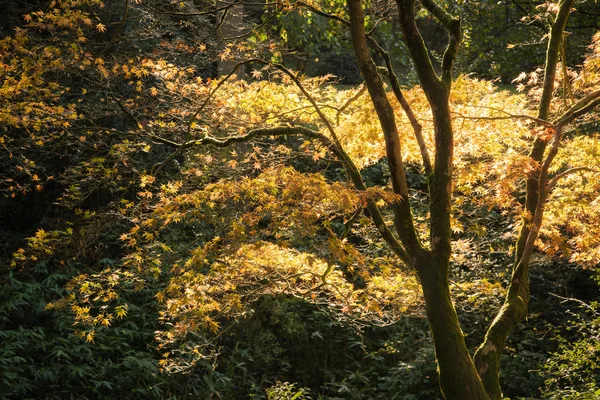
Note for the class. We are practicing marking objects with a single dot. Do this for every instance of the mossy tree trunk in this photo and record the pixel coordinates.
(514, 309)
(461, 376)
(457, 373)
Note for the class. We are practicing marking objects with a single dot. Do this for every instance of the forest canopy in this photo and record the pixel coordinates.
(287, 200)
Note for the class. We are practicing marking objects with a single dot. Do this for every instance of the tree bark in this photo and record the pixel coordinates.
(457, 373)
(515, 307)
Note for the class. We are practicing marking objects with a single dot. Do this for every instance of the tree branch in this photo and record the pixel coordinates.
(580, 108)
(190, 14)
(321, 12)
(351, 100)
(417, 127)
(385, 113)
(416, 46)
(515, 307)
(452, 26)
(508, 116)
(372, 207)
(570, 171)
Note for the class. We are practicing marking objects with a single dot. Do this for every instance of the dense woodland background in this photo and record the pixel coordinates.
(88, 306)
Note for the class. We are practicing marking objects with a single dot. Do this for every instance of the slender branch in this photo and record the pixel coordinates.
(580, 302)
(417, 127)
(570, 171)
(190, 14)
(221, 22)
(350, 222)
(211, 94)
(322, 13)
(119, 28)
(250, 31)
(158, 166)
(508, 116)
(403, 220)
(567, 90)
(351, 100)
(583, 106)
(310, 98)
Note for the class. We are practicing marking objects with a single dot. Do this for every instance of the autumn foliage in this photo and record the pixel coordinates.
(235, 187)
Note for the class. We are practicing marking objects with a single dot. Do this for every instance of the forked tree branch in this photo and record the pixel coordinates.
(417, 128)
(334, 145)
(515, 306)
(402, 212)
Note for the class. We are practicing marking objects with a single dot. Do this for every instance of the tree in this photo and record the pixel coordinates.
(462, 377)
(262, 223)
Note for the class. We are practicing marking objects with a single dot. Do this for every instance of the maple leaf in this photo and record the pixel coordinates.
(256, 74)
(101, 28)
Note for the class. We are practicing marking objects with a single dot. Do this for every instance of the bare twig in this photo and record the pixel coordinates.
(348, 102)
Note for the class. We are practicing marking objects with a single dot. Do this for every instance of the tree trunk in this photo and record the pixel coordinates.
(514, 309)
(457, 374)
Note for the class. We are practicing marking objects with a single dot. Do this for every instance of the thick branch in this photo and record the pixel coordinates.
(452, 26)
(539, 145)
(437, 92)
(552, 55)
(394, 83)
(416, 46)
